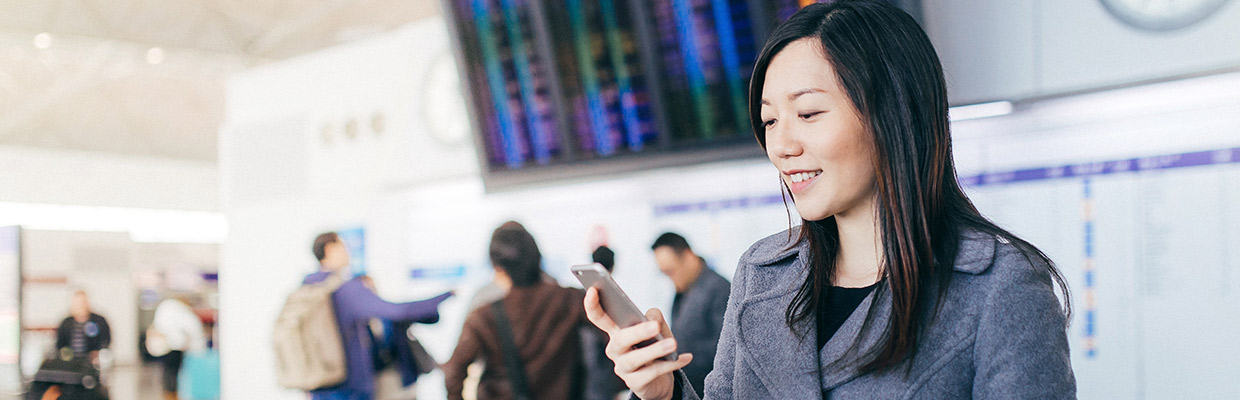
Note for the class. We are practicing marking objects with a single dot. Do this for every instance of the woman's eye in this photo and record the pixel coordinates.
(768, 123)
(809, 115)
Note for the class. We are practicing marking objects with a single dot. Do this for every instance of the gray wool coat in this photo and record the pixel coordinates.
(999, 333)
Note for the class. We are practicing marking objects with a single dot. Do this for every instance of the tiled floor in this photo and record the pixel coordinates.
(135, 383)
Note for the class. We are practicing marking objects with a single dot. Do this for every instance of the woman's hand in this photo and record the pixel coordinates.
(642, 369)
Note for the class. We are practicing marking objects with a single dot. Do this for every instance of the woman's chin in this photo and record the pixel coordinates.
(812, 213)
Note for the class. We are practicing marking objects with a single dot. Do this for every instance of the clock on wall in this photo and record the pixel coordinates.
(1162, 15)
(443, 104)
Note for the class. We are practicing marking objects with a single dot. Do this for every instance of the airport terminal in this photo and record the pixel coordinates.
(612, 199)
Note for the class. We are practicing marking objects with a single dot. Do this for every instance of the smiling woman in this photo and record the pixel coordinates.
(814, 135)
(908, 291)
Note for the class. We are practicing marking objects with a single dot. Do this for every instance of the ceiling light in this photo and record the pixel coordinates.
(982, 110)
(43, 40)
(155, 55)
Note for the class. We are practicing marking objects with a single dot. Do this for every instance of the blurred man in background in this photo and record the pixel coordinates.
(697, 310)
(83, 332)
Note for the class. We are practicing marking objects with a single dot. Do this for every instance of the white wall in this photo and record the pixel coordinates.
(1013, 50)
(31, 175)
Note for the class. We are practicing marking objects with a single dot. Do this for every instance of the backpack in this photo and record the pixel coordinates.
(308, 349)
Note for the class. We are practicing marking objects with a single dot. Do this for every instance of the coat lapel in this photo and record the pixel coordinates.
(839, 358)
(788, 365)
(858, 335)
(785, 363)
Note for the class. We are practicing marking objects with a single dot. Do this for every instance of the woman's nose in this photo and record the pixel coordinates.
(780, 142)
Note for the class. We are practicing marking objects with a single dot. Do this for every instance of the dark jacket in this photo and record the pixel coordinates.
(697, 322)
(545, 319)
(355, 305)
(601, 381)
(96, 331)
(402, 353)
(1000, 333)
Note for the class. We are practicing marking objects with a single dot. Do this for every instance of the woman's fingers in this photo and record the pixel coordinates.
(623, 340)
(640, 357)
(655, 370)
(594, 312)
(642, 369)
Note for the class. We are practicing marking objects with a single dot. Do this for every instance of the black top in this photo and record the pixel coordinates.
(835, 306)
(676, 303)
(84, 338)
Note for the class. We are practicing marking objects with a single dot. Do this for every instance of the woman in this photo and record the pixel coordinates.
(894, 286)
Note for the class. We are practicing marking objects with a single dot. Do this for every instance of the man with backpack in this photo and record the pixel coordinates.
(353, 306)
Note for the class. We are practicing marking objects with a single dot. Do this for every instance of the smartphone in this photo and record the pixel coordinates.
(615, 302)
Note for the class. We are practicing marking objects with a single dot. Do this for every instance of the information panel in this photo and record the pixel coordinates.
(10, 307)
(1150, 248)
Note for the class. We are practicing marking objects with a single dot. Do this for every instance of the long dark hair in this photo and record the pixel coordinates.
(892, 75)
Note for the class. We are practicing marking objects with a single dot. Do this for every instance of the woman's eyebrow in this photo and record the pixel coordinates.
(796, 94)
(802, 92)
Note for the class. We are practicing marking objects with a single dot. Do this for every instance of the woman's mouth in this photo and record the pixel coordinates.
(801, 180)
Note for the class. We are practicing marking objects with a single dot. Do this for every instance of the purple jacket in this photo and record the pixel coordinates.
(355, 305)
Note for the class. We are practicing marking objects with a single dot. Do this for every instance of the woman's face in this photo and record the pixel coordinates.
(814, 134)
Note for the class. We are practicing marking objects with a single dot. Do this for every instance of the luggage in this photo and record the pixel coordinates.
(200, 376)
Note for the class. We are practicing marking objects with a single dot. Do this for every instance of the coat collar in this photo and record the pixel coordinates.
(788, 364)
(976, 251)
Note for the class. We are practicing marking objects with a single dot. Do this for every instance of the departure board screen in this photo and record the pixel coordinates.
(559, 84)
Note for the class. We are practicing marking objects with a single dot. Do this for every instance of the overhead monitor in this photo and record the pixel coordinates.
(573, 88)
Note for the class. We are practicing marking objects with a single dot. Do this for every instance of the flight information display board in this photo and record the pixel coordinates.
(560, 84)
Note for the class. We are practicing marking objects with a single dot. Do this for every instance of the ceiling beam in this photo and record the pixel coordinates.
(64, 86)
(288, 29)
(19, 37)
